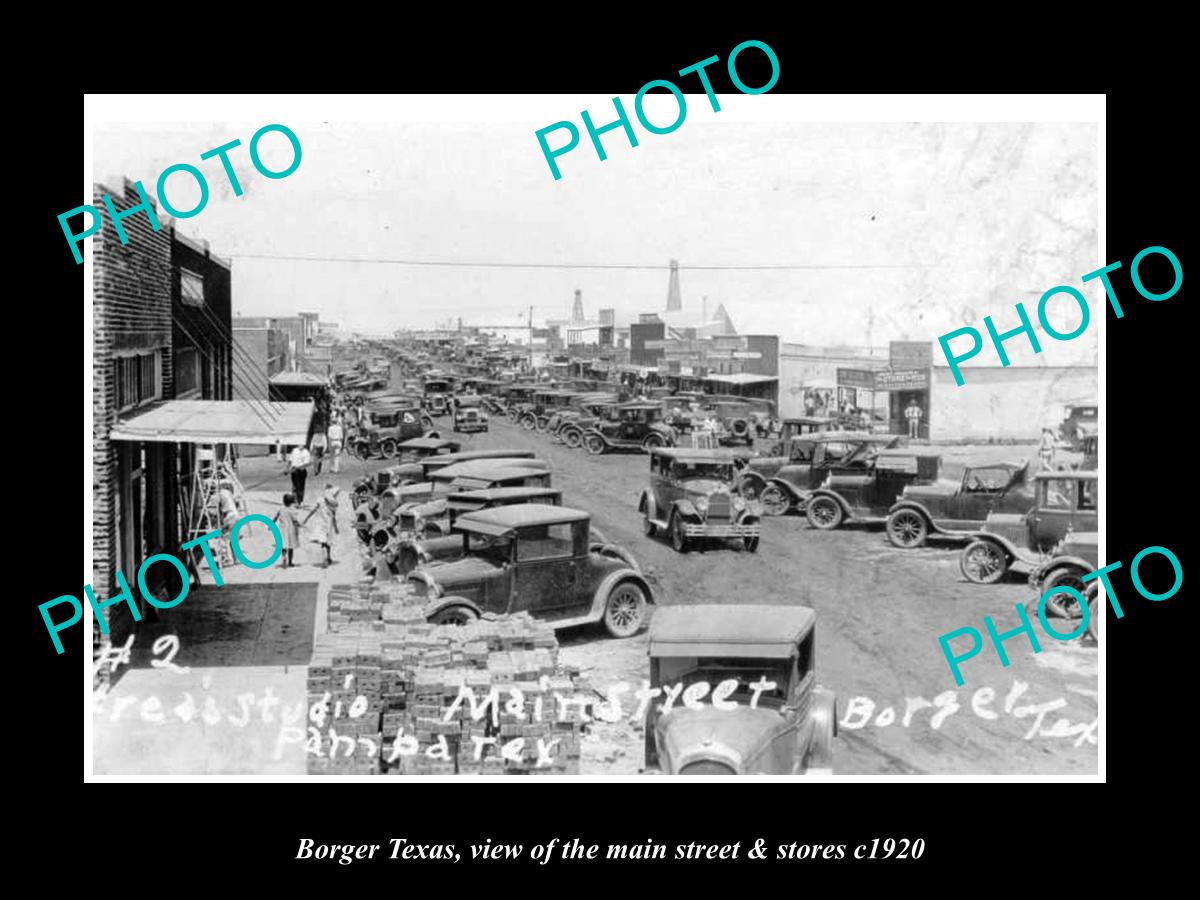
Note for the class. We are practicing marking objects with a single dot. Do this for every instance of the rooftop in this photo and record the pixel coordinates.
(727, 625)
(505, 518)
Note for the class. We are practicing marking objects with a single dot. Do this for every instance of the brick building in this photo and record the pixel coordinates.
(160, 331)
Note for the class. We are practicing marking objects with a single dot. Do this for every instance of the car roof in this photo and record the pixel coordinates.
(505, 493)
(465, 455)
(422, 443)
(701, 455)
(923, 452)
(807, 420)
(728, 629)
(639, 405)
(1067, 473)
(824, 437)
(475, 468)
(502, 519)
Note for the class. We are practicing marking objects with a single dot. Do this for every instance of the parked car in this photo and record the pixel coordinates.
(1064, 501)
(784, 483)
(867, 495)
(469, 415)
(381, 431)
(428, 535)
(435, 397)
(1079, 421)
(516, 399)
(537, 559)
(788, 730)
(1073, 557)
(636, 426)
(691, 496)
(955, 509)
(466, 476)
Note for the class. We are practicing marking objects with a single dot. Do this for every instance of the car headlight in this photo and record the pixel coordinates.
(702, 505)
(739, 502)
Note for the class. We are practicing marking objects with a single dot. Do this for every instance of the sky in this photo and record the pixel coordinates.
(898, 231)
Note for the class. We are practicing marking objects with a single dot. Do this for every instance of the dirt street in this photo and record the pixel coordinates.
(880, 611)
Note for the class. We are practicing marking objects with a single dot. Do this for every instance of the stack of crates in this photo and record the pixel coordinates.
(345, 677)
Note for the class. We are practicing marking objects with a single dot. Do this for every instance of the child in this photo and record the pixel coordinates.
(289, 527)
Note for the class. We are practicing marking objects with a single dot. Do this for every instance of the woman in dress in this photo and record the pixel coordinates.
(326, 525)
(289, 528)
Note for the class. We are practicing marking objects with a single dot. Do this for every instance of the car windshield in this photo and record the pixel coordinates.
(993, 479)
(716, 471)
(714, 670)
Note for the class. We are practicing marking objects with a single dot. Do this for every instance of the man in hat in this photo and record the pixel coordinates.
(913, 413)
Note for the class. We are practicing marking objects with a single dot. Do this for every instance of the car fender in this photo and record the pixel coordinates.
(748, 518)
(437, 605)
(827, 492)
(787, 487)
(686, 509)
(1013, 551)
(597, 432)
(611, 581)
(916, 507)
(647, 505)
(1058, 562)
(750, 475)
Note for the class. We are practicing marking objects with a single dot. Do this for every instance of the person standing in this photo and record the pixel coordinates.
(913, 413)
(1046, 448)
(337, 438)
(326, 525)
(317, 448)
(298, 462)
(289, 529)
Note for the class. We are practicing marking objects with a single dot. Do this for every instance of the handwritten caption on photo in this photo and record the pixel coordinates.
(73, 239)
(573, 849)
(1026, 327)
(1026, 627)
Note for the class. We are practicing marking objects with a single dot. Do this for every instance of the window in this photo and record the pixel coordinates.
(987, 479)
(1087, 494)
(545, 542)
(1060, 494)
(191, 288)
(187, 372)
(137, 380)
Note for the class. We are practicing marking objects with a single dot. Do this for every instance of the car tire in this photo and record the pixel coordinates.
(455, 614)
(571, 438)
(625, 610)
(907, 529)
(1062, 606)
(388, 448)
(983, 562)
(594, 444)
(651, 441)
(774, 501)
(529, 422)
(679, 538)
(1093, 628)
(648, 526)
(749, 487)
(824, 513)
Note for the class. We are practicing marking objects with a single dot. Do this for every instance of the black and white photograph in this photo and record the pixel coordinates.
(463, 437)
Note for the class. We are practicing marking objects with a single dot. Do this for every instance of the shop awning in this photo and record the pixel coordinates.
(741, 378)
(298, 379)
(217, 422)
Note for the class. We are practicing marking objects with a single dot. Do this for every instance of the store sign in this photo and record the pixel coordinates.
(902, 380)
(856, 378)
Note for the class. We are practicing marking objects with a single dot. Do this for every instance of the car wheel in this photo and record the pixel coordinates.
(679, 538)
(648, 526)
(906, 528)
(388, 449)
(594, 444)
(824, 513)
(456, 614)
(652, 440)
(748, 487)
(750, 544)
(1093, 628)
(541, 424)
(983, 562)
(625, 610)
(529, 423)
(775, 502)
(572, 438)
(1063, 606)
(512, 416)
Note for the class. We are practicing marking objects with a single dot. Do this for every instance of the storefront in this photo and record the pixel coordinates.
(885, 397)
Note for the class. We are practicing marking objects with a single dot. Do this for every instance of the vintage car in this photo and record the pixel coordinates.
(635, 426)
(467, 476)
(422, 466)
(787, 729)
(691, 497)
(573, 425)
(790, 428)
(866, 495)
(736, 422)
(1064, 501)
(382, 429)
(469, 415)
(427, 535)
(1073, 557)
(516, 398)
(955, 509)
(1079, 421)
(410, 453)
(435, 396)
(783, 483)
(537, 559)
